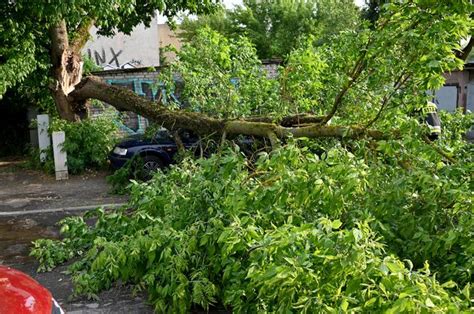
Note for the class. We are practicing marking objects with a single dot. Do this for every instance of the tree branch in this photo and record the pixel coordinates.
(178, 141)
(353, 75)
(81, 35)
(439, 150)
(463, 54)
(201, 124)
(288, 121)
(398, 84)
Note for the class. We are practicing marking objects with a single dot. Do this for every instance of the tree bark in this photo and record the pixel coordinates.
(67, 73)
(82, 35)
(59, 46)
(201, 124)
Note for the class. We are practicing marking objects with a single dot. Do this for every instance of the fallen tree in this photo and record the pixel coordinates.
(126, 100)
(71, 94)
(353, 228)
(385, 92)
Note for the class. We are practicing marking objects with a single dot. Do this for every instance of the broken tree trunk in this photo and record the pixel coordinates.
(201, 124)
(67, 73)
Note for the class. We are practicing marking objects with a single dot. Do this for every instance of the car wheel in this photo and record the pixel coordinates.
(150, 165)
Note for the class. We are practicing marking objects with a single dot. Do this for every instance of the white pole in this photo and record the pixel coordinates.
(43, 137)
(60, 157)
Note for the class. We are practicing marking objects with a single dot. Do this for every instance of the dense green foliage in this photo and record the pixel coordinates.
(349, 229)
(371, 77)
(275, 27)
(316, 225)
(87, 144)
(222, 77)
(89, 65)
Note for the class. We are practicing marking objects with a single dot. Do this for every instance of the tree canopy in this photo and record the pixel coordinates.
(276, 27)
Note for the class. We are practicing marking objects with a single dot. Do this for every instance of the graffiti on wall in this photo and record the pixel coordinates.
(132, 123)
(112, 57)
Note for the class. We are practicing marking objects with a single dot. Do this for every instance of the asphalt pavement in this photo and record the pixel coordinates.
(31, 203)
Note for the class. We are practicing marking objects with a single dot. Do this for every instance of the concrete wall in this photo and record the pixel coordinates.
(139, 49)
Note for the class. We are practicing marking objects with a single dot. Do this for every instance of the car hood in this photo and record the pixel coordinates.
(19, 293)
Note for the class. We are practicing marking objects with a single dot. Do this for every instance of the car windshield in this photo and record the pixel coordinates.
(163, 136)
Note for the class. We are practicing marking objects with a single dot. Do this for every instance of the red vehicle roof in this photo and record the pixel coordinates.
(21, 294)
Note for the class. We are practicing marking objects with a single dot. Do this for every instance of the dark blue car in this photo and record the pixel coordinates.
(155, 153)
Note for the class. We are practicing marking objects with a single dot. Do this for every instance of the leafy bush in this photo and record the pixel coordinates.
(121, 178)
(34, 162)
(87, 144)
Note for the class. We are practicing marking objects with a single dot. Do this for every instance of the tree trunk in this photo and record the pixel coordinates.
(464, 53)
(201, 124)
(67, 72)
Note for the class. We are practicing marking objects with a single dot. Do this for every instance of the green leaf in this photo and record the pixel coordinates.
(429, 303)
(336, 224)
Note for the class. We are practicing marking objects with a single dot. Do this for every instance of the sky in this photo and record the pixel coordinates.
(231, 3)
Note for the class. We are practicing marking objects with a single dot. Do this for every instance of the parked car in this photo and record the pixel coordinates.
(159, 151)
(19, 293)
(155, 153)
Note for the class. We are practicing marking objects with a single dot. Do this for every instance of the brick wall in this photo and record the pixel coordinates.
(142, 82)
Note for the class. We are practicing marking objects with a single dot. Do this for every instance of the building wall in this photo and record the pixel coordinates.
(458, 91)
(168, 37)
(139, 49)
(141, 81)
(470, 92)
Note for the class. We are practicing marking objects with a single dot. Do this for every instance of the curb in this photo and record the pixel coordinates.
(62, 209)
